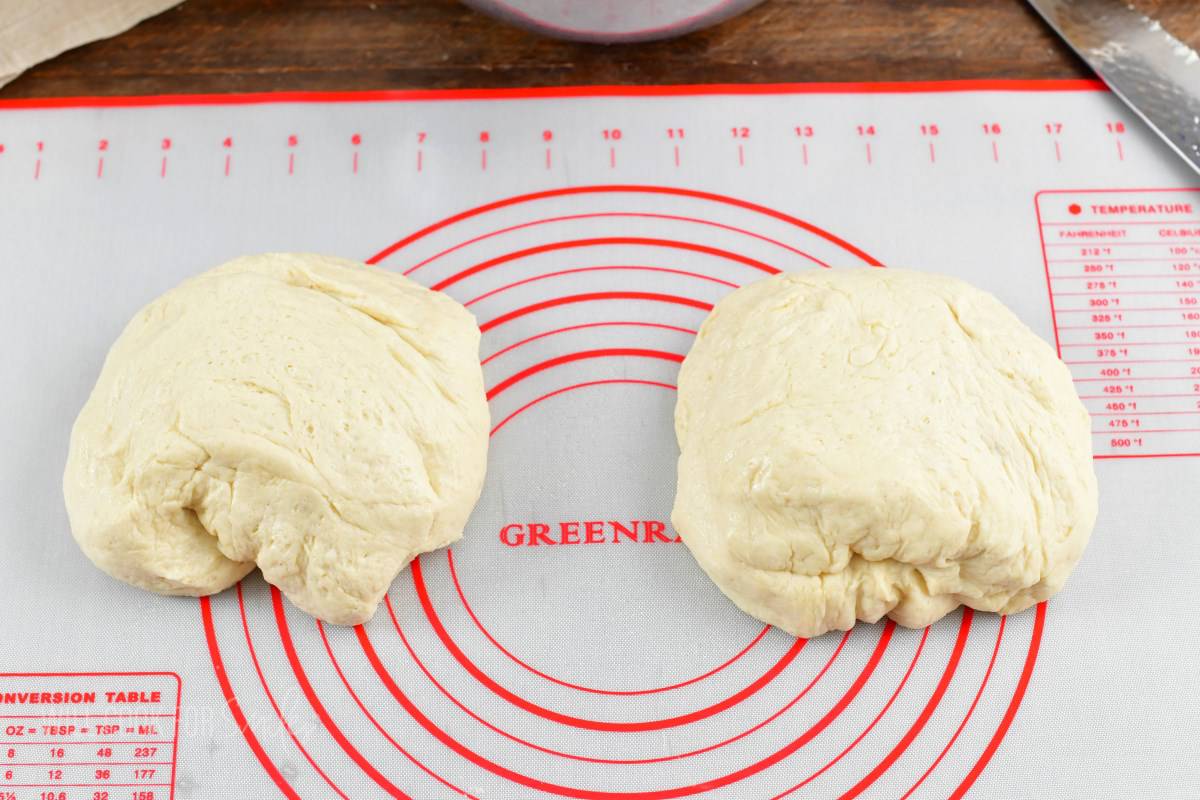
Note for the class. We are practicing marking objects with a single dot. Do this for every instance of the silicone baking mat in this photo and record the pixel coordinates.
(568, 646)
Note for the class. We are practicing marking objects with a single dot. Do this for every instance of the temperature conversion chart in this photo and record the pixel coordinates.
(569, 646)
(1124, 275)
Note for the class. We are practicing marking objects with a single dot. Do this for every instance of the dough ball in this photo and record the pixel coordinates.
(319, 418)
(861, 443)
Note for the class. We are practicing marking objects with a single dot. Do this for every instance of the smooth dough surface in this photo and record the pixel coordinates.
(316, 417)
(869, 442)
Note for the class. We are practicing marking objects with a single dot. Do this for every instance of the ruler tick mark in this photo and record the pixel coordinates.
(741, 156)
(291, 163)
(354, 167)
(995, 151)
(100, 167)
(612, 157)
(932, 154)
(870, 158)
(1057, 151)
(677, 155)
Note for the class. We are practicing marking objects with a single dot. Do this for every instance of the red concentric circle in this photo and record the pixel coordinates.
(454, 733)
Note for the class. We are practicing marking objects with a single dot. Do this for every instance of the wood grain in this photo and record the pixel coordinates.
(252, 45)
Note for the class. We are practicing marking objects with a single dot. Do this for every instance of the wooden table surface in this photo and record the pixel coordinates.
(262, 45)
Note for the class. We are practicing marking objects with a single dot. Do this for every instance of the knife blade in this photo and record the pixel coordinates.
(1156, 75)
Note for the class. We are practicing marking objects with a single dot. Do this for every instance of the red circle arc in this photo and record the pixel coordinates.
(628, 323)
(599, 241)
(960, 644)
(886, 706)
(966, 717)
(623, 761)
(603, 215)
(927, 712)
(235, 709)
(270, 697)
(613, 352)
(664, 794)
(589, 297)
(337, 668)
(600, 268)
(579, 722)
(515, 699)
(568, 191)
(1035, 639)
(256, 747)
(612, 692)
(289, 649)
(501, 691)
(478, 624)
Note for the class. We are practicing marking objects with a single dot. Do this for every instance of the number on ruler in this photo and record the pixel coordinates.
(1115, 127)
(740, 133)
(547, 135)
(612, 134)
(103, 145)
(866, 130)
(804, 131)
(356, 139)
(674, 133)
(227, 142)
(293, 140)
(1053, 128)
(930, 130)
(485, 137)
(420, 137)
(991, 128)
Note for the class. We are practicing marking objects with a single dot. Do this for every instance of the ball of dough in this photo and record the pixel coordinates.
(319, 418)
(861, 443)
